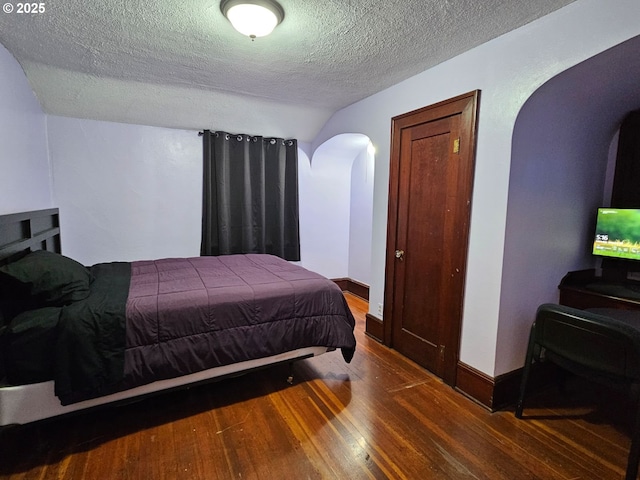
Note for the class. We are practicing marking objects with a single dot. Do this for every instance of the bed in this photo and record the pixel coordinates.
(76, 337)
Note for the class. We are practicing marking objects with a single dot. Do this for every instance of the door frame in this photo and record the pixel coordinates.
(467, 106)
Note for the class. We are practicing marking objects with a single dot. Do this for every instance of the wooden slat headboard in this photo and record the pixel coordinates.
(21, 233)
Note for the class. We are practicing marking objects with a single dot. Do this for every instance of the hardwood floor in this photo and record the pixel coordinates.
(381, 416)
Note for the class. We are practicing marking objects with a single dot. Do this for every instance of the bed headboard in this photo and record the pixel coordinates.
(21, 233)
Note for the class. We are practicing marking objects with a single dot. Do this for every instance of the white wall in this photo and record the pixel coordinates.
(24, 164)
(361, 215)
(327, 203)
(131, 192)
(126, 192)
(507, 70)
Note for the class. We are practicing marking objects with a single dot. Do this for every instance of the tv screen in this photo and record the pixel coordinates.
(618, 233)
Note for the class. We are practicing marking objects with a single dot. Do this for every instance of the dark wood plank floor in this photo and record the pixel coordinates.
(379, 417)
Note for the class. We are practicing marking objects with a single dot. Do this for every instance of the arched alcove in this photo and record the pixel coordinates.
(336, 198)
(560, 154)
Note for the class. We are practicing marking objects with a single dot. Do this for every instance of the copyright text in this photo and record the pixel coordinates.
(24, 8)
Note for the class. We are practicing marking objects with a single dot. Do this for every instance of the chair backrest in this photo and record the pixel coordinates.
(598, 342)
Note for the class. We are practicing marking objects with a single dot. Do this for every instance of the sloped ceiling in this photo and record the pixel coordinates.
(179, 63)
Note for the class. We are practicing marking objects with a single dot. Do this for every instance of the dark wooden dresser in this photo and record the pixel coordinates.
(585, 289)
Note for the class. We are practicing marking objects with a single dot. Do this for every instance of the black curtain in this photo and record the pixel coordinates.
(250, 195)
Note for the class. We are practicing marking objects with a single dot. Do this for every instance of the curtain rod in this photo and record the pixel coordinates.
(201, 133)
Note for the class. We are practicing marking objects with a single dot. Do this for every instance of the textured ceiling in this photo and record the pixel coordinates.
(179, 63)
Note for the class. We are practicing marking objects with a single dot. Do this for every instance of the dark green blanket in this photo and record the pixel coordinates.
(89, 353)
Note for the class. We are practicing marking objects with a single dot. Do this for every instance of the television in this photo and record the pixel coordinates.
(617, 233)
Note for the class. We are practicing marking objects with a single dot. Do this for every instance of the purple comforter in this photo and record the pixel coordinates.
(187, 315)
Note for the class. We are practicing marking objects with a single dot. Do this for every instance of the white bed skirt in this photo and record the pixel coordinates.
(28, 403)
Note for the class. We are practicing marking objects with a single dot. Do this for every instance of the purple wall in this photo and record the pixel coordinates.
(559, 165)
(25, 178)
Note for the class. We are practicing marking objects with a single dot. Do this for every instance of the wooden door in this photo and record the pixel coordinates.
(431, 178)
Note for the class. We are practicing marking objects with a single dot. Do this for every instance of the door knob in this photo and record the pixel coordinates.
(400, 254)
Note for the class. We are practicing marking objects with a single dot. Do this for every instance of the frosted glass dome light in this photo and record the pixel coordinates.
(253, 18)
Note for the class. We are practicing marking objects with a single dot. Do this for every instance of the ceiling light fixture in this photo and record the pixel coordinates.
(253, 18)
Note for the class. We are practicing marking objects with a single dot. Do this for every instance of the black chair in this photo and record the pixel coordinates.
(600, 344)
